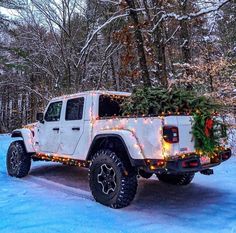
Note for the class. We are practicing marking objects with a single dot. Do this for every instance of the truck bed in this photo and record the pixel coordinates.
(148, 132)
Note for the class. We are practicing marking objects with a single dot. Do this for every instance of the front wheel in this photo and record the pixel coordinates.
(18, 160)
(179, 179)
(113, 183)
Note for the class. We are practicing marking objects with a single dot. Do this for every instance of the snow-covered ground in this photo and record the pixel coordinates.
(56, 198)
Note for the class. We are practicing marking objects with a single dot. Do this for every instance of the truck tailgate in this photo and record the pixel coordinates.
(186, 142)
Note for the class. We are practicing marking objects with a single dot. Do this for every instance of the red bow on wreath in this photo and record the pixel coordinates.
(208, 126)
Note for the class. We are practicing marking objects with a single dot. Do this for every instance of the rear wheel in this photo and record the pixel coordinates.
(113, 183)
(18, 160)
(180, 179)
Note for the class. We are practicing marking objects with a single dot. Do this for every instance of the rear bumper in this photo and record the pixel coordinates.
(182, 165)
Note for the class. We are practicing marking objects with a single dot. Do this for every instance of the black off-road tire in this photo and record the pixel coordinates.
(18, 160)
(122, 186)
(180, 179)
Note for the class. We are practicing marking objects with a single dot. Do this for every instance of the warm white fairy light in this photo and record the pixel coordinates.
(60, 159)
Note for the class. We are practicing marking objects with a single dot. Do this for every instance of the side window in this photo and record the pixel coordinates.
(109, 106)
(74, 109)
(54, 111)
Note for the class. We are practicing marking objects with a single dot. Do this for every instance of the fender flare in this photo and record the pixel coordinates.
(27, 137)
(129, 141)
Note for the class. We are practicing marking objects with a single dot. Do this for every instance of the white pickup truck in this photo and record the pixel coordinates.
(88, 129)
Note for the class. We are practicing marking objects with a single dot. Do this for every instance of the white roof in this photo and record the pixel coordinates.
(92, 93)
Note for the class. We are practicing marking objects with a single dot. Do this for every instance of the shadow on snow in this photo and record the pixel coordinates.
(152, 195)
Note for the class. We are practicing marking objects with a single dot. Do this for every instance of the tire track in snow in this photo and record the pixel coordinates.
(48, 184)
(59, 187)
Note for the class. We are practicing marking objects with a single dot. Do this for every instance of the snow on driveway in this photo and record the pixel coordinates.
(56, 198)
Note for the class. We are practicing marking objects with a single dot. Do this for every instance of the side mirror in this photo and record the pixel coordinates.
(39, 117)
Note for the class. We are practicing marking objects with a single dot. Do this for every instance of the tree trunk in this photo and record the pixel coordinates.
(159, 45)
(185, 35)
(140, 44)
(161, 54)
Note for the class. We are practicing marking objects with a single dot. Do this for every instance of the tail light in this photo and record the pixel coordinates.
(171, 134)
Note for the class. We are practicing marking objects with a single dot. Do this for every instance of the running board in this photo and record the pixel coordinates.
(59, 159)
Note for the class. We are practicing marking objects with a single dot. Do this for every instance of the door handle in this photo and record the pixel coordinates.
(76, 128)
(55, 129)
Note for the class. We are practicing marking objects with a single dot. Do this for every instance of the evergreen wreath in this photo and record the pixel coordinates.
(208, 132)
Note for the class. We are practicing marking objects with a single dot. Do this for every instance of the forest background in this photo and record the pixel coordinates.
(55, 47)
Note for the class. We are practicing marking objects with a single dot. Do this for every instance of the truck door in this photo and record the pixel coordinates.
(49, 130)
(72, 125)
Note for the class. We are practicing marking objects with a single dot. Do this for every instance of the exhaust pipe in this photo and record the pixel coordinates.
(207, 172)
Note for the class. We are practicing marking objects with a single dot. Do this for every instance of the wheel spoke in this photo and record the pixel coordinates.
(106, 178)
(113, 185)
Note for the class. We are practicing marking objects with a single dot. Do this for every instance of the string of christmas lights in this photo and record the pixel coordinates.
(60, 159)
(147, 119)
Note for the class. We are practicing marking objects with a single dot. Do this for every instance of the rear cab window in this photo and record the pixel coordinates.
(110, 105)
